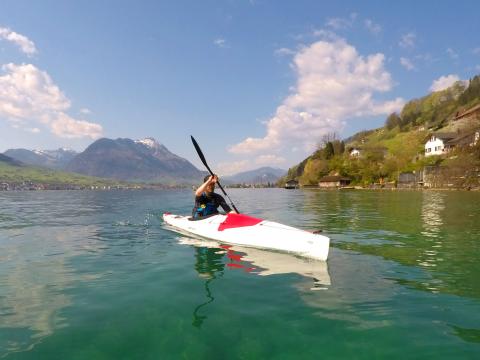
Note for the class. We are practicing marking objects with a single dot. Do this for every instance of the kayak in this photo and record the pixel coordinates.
(244, 230)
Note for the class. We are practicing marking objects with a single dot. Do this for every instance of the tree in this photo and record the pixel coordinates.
(393, 120)
(338, 147)
(329, 150)
(314, 170)
(472, 92)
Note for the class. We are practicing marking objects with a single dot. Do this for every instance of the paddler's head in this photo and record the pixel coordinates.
(211, 181)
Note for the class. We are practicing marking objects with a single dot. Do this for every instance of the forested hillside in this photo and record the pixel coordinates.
(398, 146)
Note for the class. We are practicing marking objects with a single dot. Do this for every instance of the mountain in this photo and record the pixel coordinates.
(140, 160)
(262, 175)
(4, 159)
(53, 159)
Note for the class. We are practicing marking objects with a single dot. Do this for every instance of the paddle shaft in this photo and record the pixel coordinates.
(204, 161)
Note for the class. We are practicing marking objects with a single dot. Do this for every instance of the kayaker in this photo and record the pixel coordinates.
(207, 201)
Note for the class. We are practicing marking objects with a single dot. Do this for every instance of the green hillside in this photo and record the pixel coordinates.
(399, 145)
(21, 175)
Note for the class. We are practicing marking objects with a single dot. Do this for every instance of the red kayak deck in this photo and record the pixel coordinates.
(238, 220)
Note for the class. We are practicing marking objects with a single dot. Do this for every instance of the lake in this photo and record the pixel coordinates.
(94, 275)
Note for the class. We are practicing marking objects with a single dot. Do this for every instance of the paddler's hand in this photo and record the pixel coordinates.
(213, 179)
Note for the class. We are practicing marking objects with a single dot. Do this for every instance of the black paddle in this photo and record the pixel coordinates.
(200, 154)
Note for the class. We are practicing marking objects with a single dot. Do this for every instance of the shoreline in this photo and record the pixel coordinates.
(391, 189)
(249, 188)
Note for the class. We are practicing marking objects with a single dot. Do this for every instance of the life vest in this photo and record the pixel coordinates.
(208, 208)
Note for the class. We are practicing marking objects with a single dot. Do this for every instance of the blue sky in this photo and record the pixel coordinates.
(256, 82)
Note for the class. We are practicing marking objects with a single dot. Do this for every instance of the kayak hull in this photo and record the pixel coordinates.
(247, 231)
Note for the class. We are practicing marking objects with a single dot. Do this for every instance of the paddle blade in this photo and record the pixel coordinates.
(200, 153)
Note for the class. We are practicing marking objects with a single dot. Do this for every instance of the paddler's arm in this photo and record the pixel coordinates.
(224, 205)
(201, 189)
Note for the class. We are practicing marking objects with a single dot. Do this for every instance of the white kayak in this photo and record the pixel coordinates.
(248, 231)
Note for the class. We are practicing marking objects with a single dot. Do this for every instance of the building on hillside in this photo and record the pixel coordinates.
(408, 180)
(333, 181)
(437, 144)
(451, 177)
(354, 152)
(470, 114)
(291, 184)
(464, 140)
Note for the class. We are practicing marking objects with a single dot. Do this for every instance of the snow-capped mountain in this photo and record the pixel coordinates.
(148, 141)
(53, 159)
(134, 160)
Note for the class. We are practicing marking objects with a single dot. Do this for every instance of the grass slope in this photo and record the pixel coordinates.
(18, 174)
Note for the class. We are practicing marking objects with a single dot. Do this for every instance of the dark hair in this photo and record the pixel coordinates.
(206, 178)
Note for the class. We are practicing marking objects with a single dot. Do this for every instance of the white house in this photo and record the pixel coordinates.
(355, 152)
(437, 144)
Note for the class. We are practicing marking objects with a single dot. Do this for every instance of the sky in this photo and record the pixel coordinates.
(256, 82)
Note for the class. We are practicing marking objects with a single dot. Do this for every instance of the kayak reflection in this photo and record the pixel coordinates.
(209, 265)
(212, 258)
(256, 261)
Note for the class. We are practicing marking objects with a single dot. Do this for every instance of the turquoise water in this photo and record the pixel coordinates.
(94, 275)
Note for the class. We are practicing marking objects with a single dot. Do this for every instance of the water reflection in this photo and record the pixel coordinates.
(265, 263)
(433, 205)
(34, 277)
(469, 335)
(360, 297)
(209, 266)
(211, 259)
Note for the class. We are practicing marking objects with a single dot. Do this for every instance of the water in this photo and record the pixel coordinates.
(94, 275)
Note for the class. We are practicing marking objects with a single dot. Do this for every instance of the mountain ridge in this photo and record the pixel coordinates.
(52, 159)
(133, 160)
(262, 175)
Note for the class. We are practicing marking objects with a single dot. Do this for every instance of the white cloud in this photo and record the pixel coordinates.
(25, 44)
(28, 96)
(325, 34)
(334, 84)
(221, 43)
(233, 167)
(407, 63)
(374, 28)
(407, 41)
(444, 82)
(341, 23)
(85, 111)
(284, 52)
(338, 23)
(452, 53)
